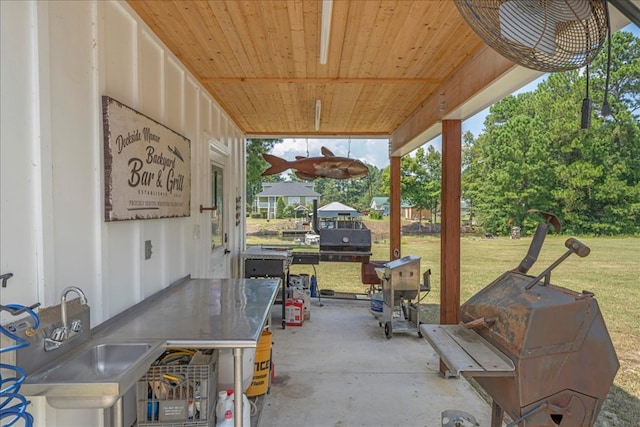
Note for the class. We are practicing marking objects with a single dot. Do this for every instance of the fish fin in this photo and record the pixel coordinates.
(305, 176)
(300, 157)
(326, 152)
(278, 165)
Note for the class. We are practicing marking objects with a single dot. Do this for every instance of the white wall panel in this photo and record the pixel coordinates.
(58, 59)
(174, 95)
(151, 78)
(20, 166)
(119, 31)
(120, 79)
(122, 289)
(76, 145)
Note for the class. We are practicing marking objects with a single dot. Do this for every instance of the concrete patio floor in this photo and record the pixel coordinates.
(339, 369)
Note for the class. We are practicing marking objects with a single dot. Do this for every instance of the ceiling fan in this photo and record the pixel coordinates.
(544, 35)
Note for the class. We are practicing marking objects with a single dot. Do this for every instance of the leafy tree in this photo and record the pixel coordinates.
(533, 154)
(280, 207)
(420, 179)
(288, 211)
(355, 192)
(256, 165)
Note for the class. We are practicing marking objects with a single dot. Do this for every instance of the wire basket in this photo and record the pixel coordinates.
(179, 395)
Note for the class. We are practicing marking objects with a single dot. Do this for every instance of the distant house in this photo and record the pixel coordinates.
(381, 204)
(292, 193)
(412, 213)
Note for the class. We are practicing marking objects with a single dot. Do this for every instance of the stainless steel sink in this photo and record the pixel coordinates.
(94, 375)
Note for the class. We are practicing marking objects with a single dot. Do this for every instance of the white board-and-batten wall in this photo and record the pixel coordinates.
(58, 60)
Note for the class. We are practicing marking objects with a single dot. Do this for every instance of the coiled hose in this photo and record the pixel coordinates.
(13, 405)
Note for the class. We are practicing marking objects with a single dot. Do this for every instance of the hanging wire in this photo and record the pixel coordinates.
(585, 123)
(606, 108)
(307, 147)
(349, 150)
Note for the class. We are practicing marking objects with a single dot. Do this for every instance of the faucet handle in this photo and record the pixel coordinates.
(58, 334)
(76, 325)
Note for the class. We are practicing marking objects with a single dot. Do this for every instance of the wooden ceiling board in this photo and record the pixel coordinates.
(260, 59)
(231, 55)
(399, 52)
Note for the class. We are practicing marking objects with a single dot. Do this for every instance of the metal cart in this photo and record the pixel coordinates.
(400, 295)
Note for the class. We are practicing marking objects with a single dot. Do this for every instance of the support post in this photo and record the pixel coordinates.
(450, 225)
(394, 213)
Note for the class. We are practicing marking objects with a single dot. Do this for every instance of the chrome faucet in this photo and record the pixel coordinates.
(63, 305)
(65, 332)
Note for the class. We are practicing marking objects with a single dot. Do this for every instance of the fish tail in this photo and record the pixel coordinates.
(278, 165)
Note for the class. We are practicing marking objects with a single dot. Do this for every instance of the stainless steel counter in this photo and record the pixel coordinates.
(200, 313)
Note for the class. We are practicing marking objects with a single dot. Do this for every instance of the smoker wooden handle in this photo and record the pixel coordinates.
(577, 247)
(483, 321)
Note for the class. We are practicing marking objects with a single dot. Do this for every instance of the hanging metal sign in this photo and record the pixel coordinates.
(147, 166)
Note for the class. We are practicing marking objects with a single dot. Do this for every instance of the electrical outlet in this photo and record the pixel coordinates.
(147, 249)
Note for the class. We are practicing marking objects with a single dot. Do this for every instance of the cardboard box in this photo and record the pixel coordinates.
(305, 296)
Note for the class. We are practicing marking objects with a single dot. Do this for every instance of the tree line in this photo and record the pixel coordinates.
(531, 154)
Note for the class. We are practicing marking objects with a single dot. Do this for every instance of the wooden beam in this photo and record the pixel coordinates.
(478, 72)
(450, 226)
(394, 214)
(336, 135)
(324, 80)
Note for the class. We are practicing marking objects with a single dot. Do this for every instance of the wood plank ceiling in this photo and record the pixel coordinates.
(261, 59)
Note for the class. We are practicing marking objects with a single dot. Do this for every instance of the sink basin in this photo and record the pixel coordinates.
(93, 376)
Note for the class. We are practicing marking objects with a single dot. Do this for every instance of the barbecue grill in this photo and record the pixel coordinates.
(542, 352)
(262, 261)
(343, 237)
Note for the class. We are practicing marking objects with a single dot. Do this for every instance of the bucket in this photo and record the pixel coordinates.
(376, 304)
(262, 366)
(304, 278)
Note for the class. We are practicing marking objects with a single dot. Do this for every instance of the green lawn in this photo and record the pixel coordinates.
(611, 271)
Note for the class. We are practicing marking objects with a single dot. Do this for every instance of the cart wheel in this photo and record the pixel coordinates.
(419, 334)
(380, 324)
(387, 330)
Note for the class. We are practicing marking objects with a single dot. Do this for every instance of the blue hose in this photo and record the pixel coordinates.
(12, 404)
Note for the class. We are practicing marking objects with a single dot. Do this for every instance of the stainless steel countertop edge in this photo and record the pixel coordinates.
(246, 336)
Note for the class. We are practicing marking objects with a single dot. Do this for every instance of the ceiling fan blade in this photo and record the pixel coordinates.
(527, 23)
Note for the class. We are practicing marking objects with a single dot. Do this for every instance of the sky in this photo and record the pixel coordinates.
(376, 151)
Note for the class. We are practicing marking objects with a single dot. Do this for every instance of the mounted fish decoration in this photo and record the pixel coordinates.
(310, 168)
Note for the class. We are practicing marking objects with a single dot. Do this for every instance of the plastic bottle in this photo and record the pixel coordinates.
(227, 421)
(226, 404)
(314, 286)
